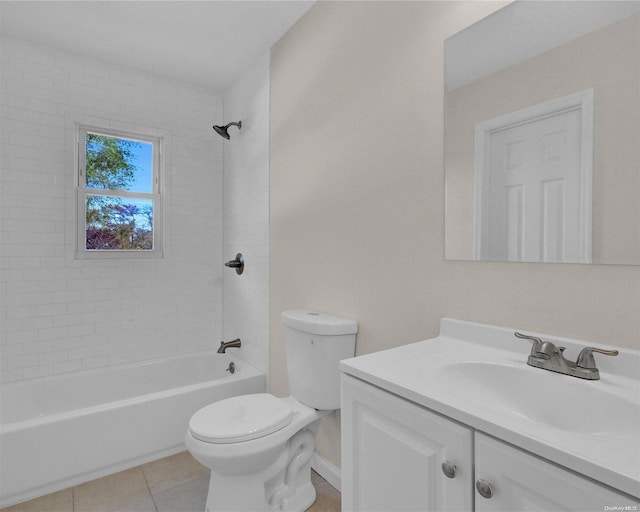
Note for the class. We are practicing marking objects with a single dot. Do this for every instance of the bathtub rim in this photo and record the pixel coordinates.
(62, 415)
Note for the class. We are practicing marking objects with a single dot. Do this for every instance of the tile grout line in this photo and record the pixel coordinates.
(153, 500)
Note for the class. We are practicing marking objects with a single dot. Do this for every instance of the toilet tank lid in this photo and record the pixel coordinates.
(314, 322)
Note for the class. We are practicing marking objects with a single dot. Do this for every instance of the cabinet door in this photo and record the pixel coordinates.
(521, 481)
(392, 454)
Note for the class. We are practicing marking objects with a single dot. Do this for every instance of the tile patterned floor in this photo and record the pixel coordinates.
(174, 484)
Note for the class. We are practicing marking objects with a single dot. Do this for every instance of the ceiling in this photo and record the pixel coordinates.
(530, 28)
(208, 42)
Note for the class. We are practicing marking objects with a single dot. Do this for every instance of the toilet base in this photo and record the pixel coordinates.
(284, 485)
(251, 498)
(304, 498)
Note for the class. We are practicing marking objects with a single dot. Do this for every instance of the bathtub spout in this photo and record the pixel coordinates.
(225, 345)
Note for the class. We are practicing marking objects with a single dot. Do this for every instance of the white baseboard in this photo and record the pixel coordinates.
(326, 470)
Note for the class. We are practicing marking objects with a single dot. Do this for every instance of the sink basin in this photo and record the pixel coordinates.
(554, 400)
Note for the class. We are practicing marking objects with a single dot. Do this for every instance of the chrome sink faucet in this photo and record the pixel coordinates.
(547, 356)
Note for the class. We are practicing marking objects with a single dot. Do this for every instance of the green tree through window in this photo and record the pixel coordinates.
(119, 181)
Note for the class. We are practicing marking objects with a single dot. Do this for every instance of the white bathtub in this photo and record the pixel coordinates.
(60, 431)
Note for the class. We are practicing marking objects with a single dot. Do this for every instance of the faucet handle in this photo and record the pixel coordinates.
(537, 342)
(586, 360)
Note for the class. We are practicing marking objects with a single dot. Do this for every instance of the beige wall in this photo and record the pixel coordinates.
(607, 62)
(357, 196)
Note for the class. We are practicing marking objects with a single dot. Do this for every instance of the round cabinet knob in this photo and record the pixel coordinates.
(484, 488)
(449, 469)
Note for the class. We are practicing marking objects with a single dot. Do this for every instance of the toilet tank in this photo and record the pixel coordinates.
(315, 343)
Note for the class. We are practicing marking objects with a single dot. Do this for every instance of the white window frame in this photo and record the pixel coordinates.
(83, 191)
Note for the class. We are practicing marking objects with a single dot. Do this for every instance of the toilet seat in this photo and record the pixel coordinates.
(240, 418)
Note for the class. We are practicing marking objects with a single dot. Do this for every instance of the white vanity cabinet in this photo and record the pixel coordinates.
(393, 452)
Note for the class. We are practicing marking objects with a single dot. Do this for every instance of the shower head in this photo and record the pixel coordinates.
(223, 131)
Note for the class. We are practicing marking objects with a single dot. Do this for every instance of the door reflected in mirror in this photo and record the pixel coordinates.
(542, 152)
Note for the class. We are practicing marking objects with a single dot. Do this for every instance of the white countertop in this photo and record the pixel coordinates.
(432, 373)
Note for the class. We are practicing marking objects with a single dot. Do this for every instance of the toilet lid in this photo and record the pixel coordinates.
(240, 418)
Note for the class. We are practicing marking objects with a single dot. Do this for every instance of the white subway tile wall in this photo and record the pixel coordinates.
(60, 314)
(246, 214)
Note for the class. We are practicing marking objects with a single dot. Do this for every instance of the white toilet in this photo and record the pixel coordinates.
(259, 447)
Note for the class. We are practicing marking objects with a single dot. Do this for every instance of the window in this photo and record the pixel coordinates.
(119, 208)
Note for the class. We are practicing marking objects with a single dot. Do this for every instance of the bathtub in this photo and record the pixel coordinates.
(59, 431)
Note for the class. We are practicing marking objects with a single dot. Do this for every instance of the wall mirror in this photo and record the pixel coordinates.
(542, 134)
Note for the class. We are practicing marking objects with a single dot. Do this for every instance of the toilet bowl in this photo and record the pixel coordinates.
(251, 474)
(259, 447)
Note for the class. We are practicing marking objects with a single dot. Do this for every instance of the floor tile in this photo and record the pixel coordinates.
(172, 471)
(174, 484)
(188, 497)
(112, 492)
(61, 501)
(328, 498)
(144, 505)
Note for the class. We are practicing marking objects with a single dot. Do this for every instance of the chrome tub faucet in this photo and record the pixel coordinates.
(229, 344)
(547, 356)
